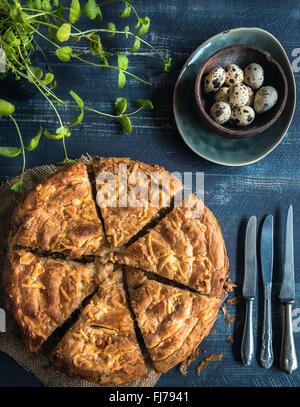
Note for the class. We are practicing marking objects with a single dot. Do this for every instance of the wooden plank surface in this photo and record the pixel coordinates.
(232, 193)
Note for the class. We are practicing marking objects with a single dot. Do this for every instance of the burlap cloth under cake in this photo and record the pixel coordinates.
(37, 363)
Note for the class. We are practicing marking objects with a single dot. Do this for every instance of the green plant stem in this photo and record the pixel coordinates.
(89, 108)
(112, 67)
(58, 116)
(52, 94)
(107, 30)
(135, 112)
(79, 33)
(22, 146)
(42, 52)
(94, 64)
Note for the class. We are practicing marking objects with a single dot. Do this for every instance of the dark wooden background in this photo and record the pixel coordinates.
(232, 193)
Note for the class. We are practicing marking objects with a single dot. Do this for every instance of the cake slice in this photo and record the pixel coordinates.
(186, 246)
(130, 195)
(101, 346)
(60, 215)
(42, 292)
(173, 321)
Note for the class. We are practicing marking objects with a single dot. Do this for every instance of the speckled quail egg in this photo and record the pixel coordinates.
(214, 79)
(265, 98)
(233, 75)
(222, 95)
(251, 97)
(220, 112)
(238, 95)
(254, 76)
(242, 116)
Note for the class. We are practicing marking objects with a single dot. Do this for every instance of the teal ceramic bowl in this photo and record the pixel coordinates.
(204, 141)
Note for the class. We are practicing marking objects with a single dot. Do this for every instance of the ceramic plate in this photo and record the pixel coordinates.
(202, 140)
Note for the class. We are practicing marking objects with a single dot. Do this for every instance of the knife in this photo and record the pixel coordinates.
(249, 286)
(288, 357)
(266, 256)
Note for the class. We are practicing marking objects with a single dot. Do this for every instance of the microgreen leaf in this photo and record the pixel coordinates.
(9, 151)
(35, 141)
(136, 45)
(53, 85)
(17, 186)
(63, 131)
(15, 14)
(30, 3)
(121, 106)
(95, 44)
(145, 26)
(77, 99)
(64, 53)
(92, 10)
(126, 12)
(6, 108)
(122, 61)
(11, 39)
(77, 119)
(144, 103)
(126, 30)
(121, 80)
(75, 11)
(64, 32)
(167, 64)
(126, 125)
(46, 6)
(112, 27)
(38, 4)
(34, 73)
(48, 79)
(52, 136)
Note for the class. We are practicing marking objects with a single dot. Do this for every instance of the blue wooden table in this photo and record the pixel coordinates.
(232, 193)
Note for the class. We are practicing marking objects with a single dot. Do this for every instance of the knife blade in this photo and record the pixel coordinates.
(249, 285)
(266, 257)
(249, 289)
(287, 291)
(288, 358)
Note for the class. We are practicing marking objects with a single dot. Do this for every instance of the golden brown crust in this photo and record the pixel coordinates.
(59, 215)
(123, 222)
(186, 246)
(172, 321)
(43, 292)
(101, 346)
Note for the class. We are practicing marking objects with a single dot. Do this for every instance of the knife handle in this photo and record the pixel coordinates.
(288, 357)
(266, 354)
(247, 350)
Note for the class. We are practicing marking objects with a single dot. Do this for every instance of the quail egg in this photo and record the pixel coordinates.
(233, 75)
(220, 112)
(238, 95)
(251, 97)
(222, 95)
(242, 116)
(254, 75)
(214, 79)
(265, 98)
